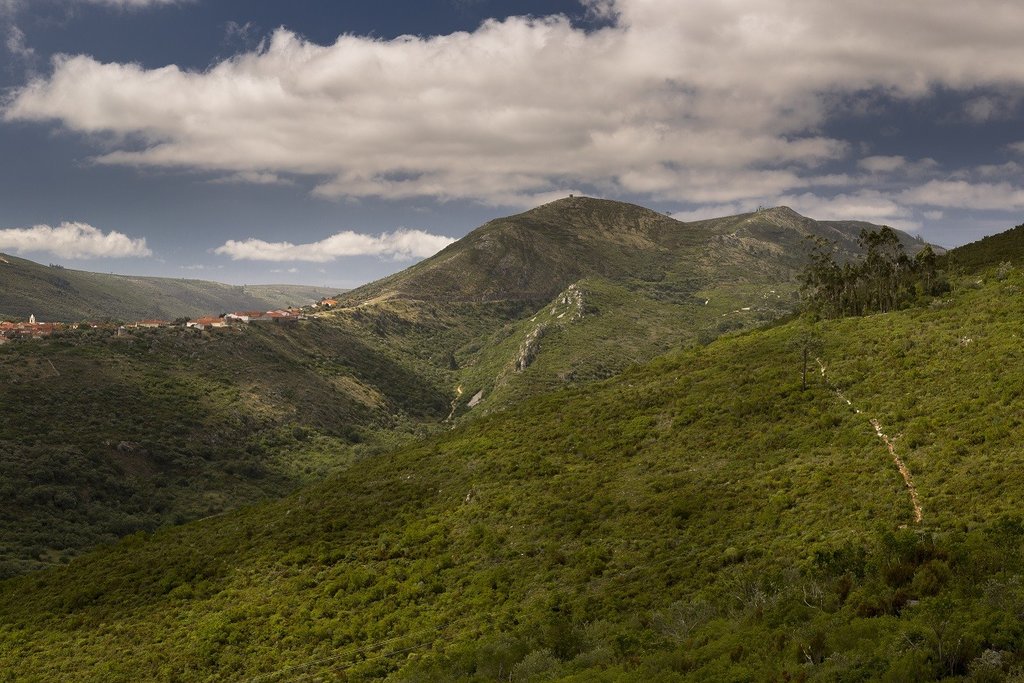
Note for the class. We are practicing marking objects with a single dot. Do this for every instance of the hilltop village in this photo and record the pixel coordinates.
(35, 329)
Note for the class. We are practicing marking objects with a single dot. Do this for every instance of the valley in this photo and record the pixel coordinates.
(171, 424)
(698, 517)
(607, 476)
(659, 341)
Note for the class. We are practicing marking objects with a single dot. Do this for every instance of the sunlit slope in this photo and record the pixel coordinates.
(581, 288)
(534, 255)
(697, 518)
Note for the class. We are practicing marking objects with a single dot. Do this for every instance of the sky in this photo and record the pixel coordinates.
(332, 143)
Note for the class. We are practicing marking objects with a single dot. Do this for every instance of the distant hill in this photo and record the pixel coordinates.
(283, 296)
(53, 293)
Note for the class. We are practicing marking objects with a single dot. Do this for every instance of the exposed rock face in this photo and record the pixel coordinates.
(566, 308)
(530, 347)
(569, 302)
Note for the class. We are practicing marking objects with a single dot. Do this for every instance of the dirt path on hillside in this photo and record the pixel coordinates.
(455, 403)
(889, 443)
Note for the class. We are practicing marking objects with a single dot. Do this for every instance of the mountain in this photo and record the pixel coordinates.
(537, 254)
(700, 517)
(109, 436)
(57, 294)
(581, 288)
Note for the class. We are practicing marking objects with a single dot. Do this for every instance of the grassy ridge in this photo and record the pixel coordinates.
(597, 329)
(697, 518)
(989, 251)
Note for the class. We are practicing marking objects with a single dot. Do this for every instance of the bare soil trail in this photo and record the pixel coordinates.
(455, 403)
(889, 443)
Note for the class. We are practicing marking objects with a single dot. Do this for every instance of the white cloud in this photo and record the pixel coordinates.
(898, 164)
(73, 240)
(16, 44)
(1017, 147)
(698, 101)
(882, 164)
(933, 215)
(252, 178)
(992, 107)
(1002, 196)
(866, 205)
(400, 244)
(710, 211)
(1011, 169)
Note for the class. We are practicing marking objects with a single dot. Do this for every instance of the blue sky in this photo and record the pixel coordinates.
(332, 143)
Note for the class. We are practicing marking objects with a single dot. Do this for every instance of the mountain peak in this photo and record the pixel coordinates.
(534, 255)
(782, 211)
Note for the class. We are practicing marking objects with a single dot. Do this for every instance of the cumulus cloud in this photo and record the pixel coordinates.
(1002, 196)
(700, 101)
(867, 205)
(882, 164)
(401, 244)
(992, 107)
(16, 45)
(73, 240)
(711, 211)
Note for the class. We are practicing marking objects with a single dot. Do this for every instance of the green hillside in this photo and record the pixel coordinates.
(990, 251)
(107, 436)
(580, 289)
(675, 284)
(698, 518)
(57, 294)
(535, 255)
(103, 436)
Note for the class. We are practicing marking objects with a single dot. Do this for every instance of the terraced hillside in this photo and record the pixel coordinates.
(697, 518)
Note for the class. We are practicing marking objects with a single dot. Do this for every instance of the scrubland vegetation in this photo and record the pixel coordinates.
(698, 518)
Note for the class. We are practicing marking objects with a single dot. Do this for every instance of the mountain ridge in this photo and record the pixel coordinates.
(536, 254)
(58, 294)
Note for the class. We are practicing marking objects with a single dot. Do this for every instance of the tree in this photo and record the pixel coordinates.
(809, 343)
(884, 279)
(926, 265)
